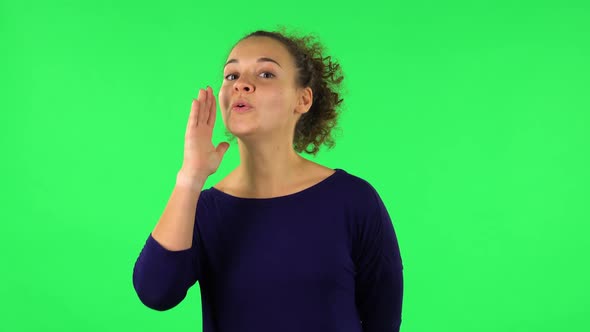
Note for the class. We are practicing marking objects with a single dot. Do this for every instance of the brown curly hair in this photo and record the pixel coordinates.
(323, 76)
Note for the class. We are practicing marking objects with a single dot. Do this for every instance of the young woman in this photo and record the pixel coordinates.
(281, 243)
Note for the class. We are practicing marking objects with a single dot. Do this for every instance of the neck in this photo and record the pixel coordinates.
(268, 167)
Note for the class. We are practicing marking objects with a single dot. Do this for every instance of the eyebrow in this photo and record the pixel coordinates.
(263, 59)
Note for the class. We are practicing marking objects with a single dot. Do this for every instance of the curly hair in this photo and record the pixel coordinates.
(323, 76)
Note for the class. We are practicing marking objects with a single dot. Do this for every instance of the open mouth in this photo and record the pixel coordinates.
(241, 108)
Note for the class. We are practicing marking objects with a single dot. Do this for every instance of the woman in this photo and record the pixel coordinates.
(281, 243)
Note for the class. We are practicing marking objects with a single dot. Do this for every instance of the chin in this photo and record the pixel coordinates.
(241, 131)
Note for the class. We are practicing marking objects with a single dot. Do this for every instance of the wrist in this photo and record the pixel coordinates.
(194, 182)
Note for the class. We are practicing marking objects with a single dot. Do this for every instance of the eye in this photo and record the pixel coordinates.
(265, 72)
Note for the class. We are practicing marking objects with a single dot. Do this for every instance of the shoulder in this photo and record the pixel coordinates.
(357, 192)
(356, 184)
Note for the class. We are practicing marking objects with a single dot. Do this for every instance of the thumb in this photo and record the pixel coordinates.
(222, 148)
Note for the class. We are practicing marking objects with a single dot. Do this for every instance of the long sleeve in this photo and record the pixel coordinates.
(379, 279)
(162, 277)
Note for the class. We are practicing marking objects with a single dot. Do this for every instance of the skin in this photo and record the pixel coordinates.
(269, 166)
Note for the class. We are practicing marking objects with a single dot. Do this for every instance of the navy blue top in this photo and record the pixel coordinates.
(324, 259)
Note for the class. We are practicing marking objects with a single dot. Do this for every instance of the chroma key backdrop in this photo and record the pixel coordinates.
(470, 118)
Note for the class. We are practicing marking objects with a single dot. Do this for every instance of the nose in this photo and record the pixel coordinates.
(243, 85)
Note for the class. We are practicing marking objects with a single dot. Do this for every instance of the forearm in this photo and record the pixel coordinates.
(174, 230)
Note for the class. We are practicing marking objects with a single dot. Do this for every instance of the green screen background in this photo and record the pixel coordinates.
(470, 118)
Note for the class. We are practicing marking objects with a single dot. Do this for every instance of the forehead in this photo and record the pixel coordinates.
(253, 48)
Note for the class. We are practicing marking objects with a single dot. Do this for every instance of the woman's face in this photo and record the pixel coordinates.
(269, 87)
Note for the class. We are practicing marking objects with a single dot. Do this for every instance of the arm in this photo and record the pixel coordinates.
(169, 263)
(379, 280)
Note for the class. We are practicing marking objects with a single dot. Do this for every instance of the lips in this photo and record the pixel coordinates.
(241, 109)
(241, 103)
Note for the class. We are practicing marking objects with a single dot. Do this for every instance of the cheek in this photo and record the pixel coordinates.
(277, 99)
(223, 98)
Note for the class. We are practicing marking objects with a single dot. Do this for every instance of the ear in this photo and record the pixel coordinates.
(305, 100)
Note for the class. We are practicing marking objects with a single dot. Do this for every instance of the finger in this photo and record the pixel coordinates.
(192, 118)
(207, 103)
(202, 117)
(212, 110)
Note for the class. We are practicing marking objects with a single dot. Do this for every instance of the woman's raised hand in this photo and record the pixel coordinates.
(201, 158)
